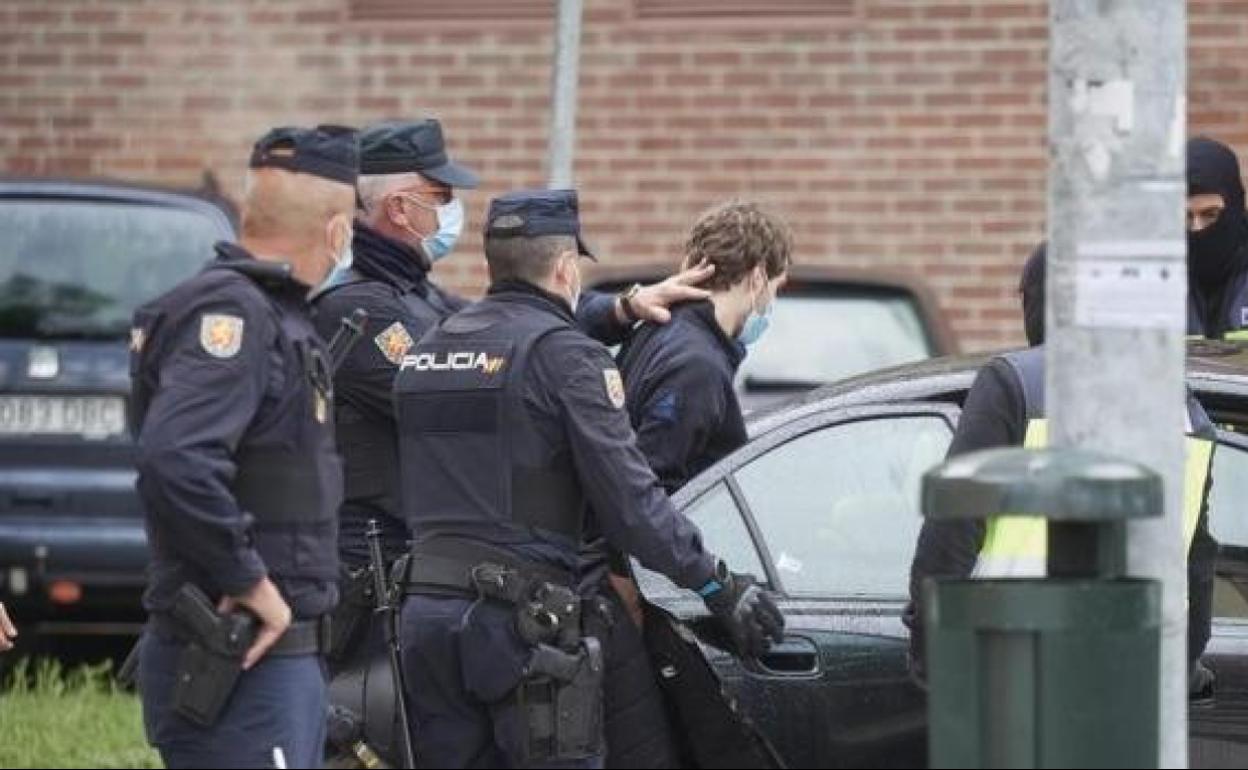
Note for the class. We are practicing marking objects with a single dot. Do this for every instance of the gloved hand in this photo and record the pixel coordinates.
(750, 614)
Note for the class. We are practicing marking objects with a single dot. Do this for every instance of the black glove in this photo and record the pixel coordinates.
(750, 614)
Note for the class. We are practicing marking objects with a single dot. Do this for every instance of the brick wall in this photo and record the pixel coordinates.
(910, 133)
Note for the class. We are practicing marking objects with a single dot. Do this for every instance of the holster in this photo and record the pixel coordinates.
(212, 660)
(560, 700)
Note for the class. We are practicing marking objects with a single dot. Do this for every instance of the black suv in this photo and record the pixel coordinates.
(76, 258)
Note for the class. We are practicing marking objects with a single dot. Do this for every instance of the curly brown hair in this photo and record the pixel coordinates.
(737, 237)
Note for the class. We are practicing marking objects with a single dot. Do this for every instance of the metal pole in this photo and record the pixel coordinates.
(562, 145)
(1117, 277)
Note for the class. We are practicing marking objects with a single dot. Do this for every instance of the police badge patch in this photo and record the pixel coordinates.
(394, 343)
(221, 336)
(137, 338)
(615, 387)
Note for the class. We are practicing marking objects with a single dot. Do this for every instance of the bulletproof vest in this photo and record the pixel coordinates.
(480, 463)
(1234, 312)
(288, 476)
(368, 441)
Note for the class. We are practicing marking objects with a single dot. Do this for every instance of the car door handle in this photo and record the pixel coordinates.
(21, 500)
(796, 655)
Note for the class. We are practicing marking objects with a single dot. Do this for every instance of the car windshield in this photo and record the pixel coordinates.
(816, 338)
(78, 269)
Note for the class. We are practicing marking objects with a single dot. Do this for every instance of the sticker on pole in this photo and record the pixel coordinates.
(1131, 285)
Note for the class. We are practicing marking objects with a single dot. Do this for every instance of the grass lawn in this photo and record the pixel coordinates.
(53, 717)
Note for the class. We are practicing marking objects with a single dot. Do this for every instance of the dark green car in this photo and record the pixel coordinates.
(824, 503)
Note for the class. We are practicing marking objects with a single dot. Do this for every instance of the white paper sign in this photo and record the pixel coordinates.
(1114, 291)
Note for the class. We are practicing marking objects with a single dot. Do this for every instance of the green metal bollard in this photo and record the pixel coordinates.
(1045, 672)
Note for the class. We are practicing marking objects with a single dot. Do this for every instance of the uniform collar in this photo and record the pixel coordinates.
(268, 274)
(389, 260)
(534, 295)
(702, 313)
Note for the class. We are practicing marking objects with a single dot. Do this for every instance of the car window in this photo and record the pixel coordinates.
(1228, 523)
(723, 532)
(839, 507)
(857, 333)
(78, 269)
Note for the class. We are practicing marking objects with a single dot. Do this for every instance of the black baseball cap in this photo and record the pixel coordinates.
(330, 152)
(529, 213)
(397, 147)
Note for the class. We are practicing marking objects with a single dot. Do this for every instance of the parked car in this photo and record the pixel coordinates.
(829, 323)
(75, 260)
(823, 504)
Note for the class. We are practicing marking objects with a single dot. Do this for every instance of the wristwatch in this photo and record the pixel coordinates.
(626, 303)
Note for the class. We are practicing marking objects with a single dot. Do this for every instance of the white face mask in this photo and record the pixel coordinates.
(342, 263)
(575, 299)
(345, 257)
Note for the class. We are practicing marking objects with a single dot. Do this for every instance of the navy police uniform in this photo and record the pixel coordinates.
(516, 423)
(390, 280)
(239, 479)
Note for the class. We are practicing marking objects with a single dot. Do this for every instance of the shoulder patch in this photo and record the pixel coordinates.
(394, 342)
(221, 335)
(137, 337)
(615, 387)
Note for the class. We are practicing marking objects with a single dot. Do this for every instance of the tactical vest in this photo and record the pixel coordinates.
(1017, 546)
(288, 476)
(481, 466)
(1235, 313)
(368, 444)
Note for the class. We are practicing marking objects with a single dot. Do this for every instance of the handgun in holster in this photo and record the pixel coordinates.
(561, 700)
(561, 693)
(212, 660)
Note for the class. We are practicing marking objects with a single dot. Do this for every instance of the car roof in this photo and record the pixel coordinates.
(862, 278)
(205, 202)
(1216, 370)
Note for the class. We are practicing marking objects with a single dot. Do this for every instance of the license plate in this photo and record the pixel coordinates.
(86, 416)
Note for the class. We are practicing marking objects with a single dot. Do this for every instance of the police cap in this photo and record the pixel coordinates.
(330, 152)
(397, 147)
(529, 213)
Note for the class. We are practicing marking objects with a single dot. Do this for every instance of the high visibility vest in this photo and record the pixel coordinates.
(1016, 545)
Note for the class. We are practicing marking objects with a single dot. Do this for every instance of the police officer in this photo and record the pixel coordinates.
(512, 422)
(1217, 242)
(1005, 407)
(411, 217)
(238, 475)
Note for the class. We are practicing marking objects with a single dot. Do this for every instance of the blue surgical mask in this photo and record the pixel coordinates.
(756, 323)
(342, 266)
(450, 225)
(754, 326)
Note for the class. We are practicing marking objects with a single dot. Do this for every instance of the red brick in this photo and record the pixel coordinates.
(932, 108)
